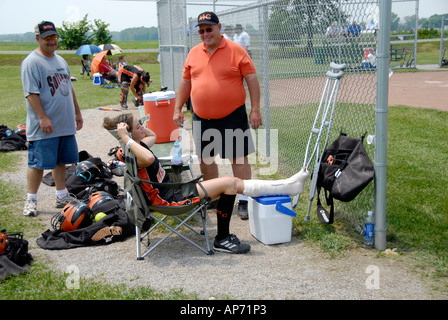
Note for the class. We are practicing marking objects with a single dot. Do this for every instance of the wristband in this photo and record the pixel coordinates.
(130, 142)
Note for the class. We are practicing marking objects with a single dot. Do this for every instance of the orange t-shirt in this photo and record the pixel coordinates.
(217, 80)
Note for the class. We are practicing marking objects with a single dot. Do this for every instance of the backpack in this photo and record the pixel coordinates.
(81, 188)
(10, 141)
(345, 170)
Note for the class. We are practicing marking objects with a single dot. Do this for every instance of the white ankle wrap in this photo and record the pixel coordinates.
(286, 187)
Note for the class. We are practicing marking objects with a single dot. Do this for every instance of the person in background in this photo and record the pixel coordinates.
(85, 64)
(331, 31)
(242, 38)
(215, 64)
(53, 116)
(135, 78)
(107, 71)
(121, 62)
(354, 30)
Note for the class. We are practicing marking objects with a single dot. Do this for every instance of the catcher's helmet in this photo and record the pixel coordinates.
(120, 154)
(87, 170)
(20, 129)
(98, 198)
(75, 215)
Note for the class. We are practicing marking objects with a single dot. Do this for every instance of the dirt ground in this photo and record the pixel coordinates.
(422, 89)
(294, 270)
(419, 89)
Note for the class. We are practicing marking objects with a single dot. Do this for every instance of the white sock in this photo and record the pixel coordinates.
(60, 194)
(286, 187)
(31, 196)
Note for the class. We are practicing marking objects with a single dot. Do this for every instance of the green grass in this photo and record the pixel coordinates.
(416, 206)
(40, 283)
(418, 170)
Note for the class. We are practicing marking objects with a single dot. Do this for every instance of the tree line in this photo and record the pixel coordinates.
(73, 35)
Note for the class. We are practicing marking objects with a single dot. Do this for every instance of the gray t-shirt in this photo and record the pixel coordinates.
(50, 79)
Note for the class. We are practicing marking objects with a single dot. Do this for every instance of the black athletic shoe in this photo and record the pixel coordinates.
(230, 244)
(242, 210)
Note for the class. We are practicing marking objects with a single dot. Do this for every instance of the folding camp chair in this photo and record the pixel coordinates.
(143, 215)
(85, 69)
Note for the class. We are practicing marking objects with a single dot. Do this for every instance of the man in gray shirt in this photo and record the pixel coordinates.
(53, 116)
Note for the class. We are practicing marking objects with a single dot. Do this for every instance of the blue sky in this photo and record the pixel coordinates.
(20, 16)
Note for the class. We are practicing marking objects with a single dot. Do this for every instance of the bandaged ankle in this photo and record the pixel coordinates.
(286, 187)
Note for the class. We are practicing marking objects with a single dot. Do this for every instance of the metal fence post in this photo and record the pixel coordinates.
(266, 77)
(381, 111)
(442, 34)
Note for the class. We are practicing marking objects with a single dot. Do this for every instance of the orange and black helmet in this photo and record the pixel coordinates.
(98, 198)
(20, 129)
(120, 154)
(75, 215)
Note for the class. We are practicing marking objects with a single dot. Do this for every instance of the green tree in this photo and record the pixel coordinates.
(101, 33)
(395, 22)
(303, 17)
(434, 21)
(73, 35)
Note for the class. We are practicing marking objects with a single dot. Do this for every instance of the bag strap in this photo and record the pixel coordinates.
(322, 214)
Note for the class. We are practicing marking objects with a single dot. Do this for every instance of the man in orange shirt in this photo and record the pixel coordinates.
(213, 77)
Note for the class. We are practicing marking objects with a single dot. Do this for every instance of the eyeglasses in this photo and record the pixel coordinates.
(208, 30)
(53, 37)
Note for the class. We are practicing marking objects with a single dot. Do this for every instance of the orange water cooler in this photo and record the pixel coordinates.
(159, 106)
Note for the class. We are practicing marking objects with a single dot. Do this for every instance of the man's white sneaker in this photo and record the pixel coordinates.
(30, 208)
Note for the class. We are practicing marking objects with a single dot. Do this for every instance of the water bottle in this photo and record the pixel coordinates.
(176, 154)
(368, 230)
(118, 163)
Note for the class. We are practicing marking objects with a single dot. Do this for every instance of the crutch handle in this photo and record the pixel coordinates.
(335, 75)
(336, 66)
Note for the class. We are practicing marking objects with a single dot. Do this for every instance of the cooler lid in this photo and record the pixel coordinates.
(159, 96)
(272, 200)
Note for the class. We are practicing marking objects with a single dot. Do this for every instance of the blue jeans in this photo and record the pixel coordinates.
(48, 153)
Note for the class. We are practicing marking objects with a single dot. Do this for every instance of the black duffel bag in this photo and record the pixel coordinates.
(345, 170)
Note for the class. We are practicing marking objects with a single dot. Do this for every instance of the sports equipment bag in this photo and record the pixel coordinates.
(345, 170)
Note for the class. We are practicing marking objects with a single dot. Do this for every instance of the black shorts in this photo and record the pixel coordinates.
(230, 137)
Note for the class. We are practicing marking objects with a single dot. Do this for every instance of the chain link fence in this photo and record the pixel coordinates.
(292, 44)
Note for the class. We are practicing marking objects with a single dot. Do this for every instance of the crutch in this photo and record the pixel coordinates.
(323, 119)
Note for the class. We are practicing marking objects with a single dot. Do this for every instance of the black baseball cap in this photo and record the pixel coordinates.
(45, 29)
(207, 17)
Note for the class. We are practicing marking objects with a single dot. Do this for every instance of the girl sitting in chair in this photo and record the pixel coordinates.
(223, 188)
